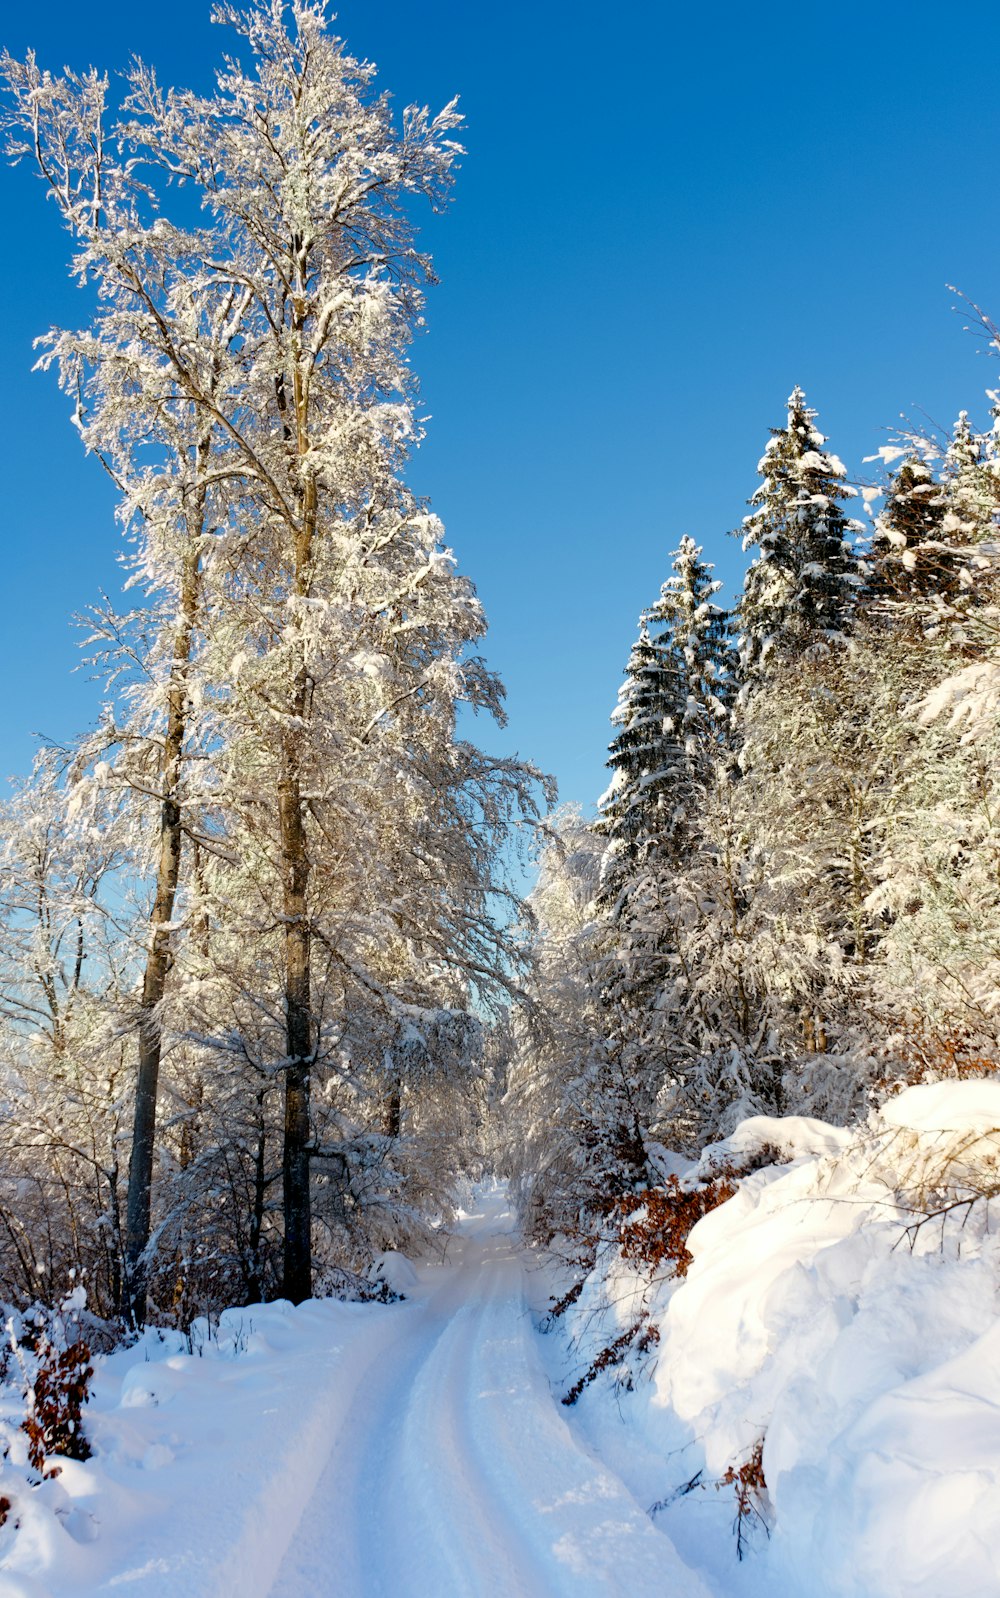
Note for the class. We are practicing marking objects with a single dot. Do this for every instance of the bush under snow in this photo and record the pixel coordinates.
(842, 1308)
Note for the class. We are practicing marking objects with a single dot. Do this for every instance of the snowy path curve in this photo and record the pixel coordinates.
(453, 1473)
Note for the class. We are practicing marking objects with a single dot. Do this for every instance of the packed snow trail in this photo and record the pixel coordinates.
(453, 1473)
(408, 1450)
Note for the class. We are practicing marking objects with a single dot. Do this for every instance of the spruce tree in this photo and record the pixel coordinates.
(909, 559)
(672, 708)
(700, 660)
(801, 586)
(971, 487)
(673, 716)
(635, 759)
(924, 566)
(803, 818)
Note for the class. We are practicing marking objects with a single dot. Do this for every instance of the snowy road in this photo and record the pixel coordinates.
(409, 1450)
(453, 1473)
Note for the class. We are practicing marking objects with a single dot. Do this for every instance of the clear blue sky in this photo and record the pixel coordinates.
(668, 216)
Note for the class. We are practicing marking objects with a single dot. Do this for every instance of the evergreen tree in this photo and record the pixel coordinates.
(700, 662)
(635, 757)
(672, 710)
(972, 491)
(674, 719)
(925, 563)
(801, 587)
(801, 812)
(909, 558)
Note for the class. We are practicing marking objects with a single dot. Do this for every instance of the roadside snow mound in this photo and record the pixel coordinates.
(842, 1310)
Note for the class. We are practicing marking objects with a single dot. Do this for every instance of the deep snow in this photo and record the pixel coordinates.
(861, 1346)
(418, 1449)
(404, 1449)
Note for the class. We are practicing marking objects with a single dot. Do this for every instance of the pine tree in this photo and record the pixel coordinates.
(674, 712)
(801, 587)
(909, 558)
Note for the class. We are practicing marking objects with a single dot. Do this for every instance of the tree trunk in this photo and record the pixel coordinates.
(297, 1260)
(140, 1176)
(298, 1034)
(392, 1117)
(255, 1264)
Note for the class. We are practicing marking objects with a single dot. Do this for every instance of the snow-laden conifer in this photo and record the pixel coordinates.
(800, 589)
(908, 554)
(674, 715)
(672, 711)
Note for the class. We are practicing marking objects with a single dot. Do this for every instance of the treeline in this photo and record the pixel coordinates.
(791, 897)
(249, 941)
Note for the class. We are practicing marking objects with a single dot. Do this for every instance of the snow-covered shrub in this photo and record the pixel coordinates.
(58, 1390)
(826, 1336)
(655, 1224)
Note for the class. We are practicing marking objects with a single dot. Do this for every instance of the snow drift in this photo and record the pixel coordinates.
(840, 1316)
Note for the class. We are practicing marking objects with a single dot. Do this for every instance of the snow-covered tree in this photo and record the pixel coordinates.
(65, 998)
(936, 890)
(553, 1105)
(909, 557)
(672, 713)
(157, 307)
(311, 641)
(942, 504)
(673, 725)
(801, 587)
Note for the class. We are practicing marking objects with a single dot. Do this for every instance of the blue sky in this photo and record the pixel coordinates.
(667, 217)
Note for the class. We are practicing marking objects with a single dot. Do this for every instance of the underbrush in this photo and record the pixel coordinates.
(45, 1372)
(649, 1229)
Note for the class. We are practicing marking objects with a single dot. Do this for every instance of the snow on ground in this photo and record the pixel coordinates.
(411, 1449)
(417, 1449)
(865, 1355)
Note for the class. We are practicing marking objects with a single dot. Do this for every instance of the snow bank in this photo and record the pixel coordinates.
(863, 1347)
(945, 1107)
(790, 1136)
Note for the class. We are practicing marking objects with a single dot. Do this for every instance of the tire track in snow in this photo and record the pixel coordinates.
(453, 1473)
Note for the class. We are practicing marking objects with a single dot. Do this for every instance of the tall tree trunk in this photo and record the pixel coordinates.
(298, 1033)
(255, 1264)
(140, 1176)
(297, 1258)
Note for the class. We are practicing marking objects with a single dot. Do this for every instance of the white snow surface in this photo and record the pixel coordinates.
(862, 1348)
(789, 1135)
(409, 1450)
(418, 1449)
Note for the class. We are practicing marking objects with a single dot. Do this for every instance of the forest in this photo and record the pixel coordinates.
(272, 991)
(787, 905)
